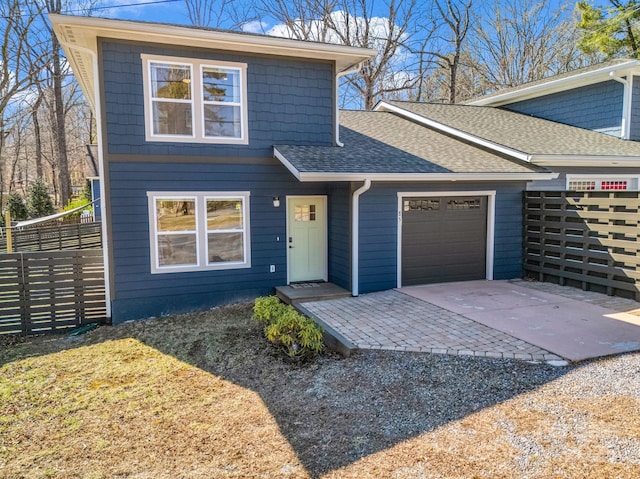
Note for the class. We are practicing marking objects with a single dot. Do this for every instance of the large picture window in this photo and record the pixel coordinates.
(199, 231)
(195, 100)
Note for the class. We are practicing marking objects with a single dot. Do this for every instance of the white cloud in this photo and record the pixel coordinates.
(255, 26)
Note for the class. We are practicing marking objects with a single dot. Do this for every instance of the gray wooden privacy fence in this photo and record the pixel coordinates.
(54, 237)
(586, 239)
(49, 291)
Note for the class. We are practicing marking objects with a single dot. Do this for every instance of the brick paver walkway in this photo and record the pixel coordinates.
(392, 320)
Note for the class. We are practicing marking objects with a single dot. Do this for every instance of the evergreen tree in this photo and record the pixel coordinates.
(17, 206)
(39, 201)
(611, 31)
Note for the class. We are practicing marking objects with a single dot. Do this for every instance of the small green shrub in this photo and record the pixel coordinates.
(267, 309)
(298, 336)
(17, 206)
(76, 203)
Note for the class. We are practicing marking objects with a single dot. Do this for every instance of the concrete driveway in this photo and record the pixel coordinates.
(508, 319)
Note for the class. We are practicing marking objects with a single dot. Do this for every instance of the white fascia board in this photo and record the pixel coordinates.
(86, 28)
(476, 140)
(287, 164)
(582, 160)
(405, 177)
(561, 84)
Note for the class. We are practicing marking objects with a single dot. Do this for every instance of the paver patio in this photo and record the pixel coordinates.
(393, 320)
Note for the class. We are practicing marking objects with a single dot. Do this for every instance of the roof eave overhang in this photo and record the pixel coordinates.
(561, 84)
(419, 177)
(404, 177)
(586, 160)
(78, 36)
(461, 135)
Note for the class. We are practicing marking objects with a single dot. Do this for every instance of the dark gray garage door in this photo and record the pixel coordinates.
(443, 239)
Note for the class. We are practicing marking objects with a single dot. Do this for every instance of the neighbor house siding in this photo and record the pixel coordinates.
(595, 107)
(379, 230)
(289, 102)
(634, 131)
(138, 293)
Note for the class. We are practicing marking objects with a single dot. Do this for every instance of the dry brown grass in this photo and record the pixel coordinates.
(203, 396)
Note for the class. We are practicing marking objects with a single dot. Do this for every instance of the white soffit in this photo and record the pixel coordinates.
(78, 36)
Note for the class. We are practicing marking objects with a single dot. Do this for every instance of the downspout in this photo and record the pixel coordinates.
(355, 236)
(103, 221)
(356, 69)
(626, 104)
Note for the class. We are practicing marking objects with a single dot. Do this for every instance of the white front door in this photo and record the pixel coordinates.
(307, 238)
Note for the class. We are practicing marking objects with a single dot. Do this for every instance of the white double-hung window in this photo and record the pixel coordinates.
(199, 231)
(191, 100)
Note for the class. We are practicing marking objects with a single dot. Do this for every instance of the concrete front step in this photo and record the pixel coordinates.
(303, 292)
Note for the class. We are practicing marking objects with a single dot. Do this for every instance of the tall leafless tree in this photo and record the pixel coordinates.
(353, 23)
(207, 13)
(19, 64)
(444, 31)
(518, 41)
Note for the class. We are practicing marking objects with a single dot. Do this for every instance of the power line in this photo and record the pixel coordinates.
(144, 4)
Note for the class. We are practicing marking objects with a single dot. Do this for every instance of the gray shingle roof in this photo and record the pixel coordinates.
(524, 133)
(380, 142)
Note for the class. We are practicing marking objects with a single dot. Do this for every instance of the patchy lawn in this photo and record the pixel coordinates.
(205, 396)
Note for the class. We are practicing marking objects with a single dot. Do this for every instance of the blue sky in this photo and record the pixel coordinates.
(175, 11)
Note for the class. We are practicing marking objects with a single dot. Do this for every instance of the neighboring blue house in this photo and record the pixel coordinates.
(603, 98)
(224, 172)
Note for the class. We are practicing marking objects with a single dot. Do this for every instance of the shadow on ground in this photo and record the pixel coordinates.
(333, 411)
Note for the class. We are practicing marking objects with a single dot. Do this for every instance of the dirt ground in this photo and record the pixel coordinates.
(206, 396)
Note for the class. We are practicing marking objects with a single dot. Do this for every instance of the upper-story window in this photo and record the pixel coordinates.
(190, 100)
(602, 183)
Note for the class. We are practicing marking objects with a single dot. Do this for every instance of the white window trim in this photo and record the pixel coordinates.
(201, 232)
(197, 111)
(633, 181)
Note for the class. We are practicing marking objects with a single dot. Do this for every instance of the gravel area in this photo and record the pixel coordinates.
(389, 414)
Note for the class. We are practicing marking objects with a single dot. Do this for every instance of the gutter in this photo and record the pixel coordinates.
(626, 103)
(355, 236)
(103, 222)
(434, 177)
(339, 75)
(586, 160)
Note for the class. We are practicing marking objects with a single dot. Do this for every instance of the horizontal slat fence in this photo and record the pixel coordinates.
(586, 239)
(44, 292)
(56, 237)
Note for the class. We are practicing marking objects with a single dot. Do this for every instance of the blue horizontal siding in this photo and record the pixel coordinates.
(281, 109)
(339, 235)
(379, 230)
(634, 130)
(595, 107)
(138, 293)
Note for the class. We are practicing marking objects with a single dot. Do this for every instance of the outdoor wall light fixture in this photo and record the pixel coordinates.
(276, 202)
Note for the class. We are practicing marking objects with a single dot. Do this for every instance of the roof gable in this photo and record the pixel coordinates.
(565, 81)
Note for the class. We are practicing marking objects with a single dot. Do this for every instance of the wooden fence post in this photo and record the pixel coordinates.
(7, 222)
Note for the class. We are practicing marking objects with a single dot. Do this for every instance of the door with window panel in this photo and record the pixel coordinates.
(307, 238)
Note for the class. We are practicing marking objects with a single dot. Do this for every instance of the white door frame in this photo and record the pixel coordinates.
(491, 216)
(325, 216)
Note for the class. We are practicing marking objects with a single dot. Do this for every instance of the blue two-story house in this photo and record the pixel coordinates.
(227, 170)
